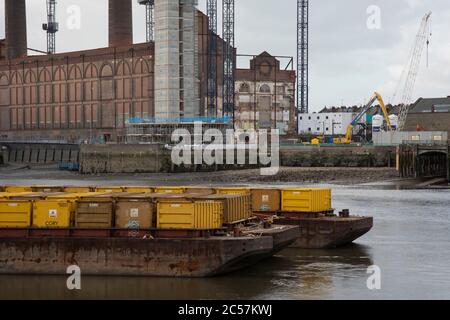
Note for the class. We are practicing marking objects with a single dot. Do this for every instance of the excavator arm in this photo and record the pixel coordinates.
(384, 110)
(367, 107)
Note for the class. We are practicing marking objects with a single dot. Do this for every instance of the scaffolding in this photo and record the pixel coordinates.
(303, 55)
(162, 133)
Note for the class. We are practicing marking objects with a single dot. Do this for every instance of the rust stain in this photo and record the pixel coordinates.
(191, 265)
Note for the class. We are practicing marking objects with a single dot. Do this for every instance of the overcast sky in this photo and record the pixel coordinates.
(348, 61)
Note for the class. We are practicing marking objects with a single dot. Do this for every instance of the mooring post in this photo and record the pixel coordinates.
(448, 162)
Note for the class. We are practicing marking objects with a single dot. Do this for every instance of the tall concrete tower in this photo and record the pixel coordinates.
(176, 62)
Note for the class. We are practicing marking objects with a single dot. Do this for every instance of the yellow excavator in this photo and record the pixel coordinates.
(349, 134)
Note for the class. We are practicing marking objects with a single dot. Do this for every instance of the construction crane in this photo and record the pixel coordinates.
(228, 58)
(422, 40)
(51, 26)
(211, 9)
(302, 55)
(149, 18)
(349, 133)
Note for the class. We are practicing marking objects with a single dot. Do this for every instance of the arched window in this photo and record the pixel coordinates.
(245, 88)
(264, 88)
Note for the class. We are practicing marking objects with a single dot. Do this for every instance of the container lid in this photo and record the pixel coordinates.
(215, 196)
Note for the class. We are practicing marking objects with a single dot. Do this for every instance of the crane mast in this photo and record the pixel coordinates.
(211, 8)
(302, 55)
(228, 58)
(149, 18)
(51, 26)
(422, 39)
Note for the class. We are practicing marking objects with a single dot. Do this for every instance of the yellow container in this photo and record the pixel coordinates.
(15, 214)
(108, 189)
(94, 214)
(73, 196)
(138, 189)
(200, 190)
(77, 189)
(8, 195)
(134, 213)
(30, 195)
(53, 213)
(16, 189)
(198, 215)
(170, 189)
(236, 207)
(47, 188)
(305, 200)
(232, 190)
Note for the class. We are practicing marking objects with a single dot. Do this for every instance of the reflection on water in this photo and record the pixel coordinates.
(410, 242)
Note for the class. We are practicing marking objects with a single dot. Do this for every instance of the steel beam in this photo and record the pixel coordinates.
(228, 58)
(211, 8)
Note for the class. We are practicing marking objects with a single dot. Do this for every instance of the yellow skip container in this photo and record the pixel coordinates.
(181, 214)
(138, 189)
(170, 189)
(232, 190)
(15, 214)
(77, 189)
(305, 200)
(109, 189)
(53, 213)
(17, 189)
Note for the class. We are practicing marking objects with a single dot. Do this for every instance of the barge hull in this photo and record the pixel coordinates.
(132, 257)
(329, 232)
(283, 236)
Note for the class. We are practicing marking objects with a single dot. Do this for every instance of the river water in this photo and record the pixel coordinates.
(410, 243)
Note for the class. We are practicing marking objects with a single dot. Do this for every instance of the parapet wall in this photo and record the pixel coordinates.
(123, 159)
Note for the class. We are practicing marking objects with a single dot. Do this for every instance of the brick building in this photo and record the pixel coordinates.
(265, 96)
(430, 115)
(85, 95)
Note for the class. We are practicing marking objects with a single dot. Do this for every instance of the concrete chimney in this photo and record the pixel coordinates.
(120, 23)
(15, 29)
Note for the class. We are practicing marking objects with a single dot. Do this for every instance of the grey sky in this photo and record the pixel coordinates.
(347, 60)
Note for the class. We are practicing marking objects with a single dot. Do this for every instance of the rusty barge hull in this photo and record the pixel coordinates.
(167, 253)
(132, 257)
(323, 232)
(283, 236)
(328, 232)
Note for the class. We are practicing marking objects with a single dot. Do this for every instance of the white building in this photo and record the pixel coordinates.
(325, 123)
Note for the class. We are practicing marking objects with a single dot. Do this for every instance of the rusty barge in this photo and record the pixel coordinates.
(157, 253)
(323, 230)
